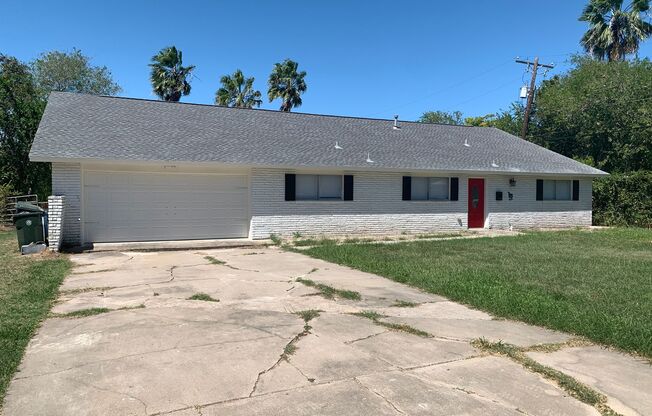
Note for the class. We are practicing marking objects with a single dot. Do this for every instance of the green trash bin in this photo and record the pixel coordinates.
(30, 222)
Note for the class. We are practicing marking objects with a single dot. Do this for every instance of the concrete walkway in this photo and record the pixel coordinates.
(254, 353)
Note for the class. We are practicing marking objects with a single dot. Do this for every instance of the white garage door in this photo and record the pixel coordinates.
(138, 206)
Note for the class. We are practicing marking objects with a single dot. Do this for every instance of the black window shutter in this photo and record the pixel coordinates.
(407, 188)
(455, 189)
(348, 187)
(290, 186)
(539, 189)
(576, 190)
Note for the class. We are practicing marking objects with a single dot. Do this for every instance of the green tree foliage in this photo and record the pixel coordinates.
(168, 76)
(599, 113)
(21, 107)
(238, 91)
(623, 199)
(72, 72)
(287, 83)
(614, 30)
(442, 117)
(510, 120)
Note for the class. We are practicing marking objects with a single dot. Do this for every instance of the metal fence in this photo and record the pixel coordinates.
(7, 216)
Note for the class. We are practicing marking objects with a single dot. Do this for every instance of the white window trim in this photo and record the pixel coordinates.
(318, 199)
(570, 195)
(448, 198)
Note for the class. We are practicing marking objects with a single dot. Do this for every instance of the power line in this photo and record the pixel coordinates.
(446, 88)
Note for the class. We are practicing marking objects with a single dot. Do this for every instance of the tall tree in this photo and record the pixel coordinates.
(72, 72)
(510, 120)
(599, 113)
(21, 106)
(238, 91)
(442, 117)
(614, 30)
(168, 76)
(286, 83)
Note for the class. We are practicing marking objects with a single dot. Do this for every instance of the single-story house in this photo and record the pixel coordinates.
(144, 170)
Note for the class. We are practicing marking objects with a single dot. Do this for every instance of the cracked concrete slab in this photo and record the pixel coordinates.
(251, 353)
(512, 332)
(340, 398)
(625, 380)
(505, 382)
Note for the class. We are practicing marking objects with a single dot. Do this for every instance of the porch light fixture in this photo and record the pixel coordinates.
(512, 182)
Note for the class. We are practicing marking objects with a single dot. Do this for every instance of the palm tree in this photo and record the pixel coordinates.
(238, 91)
(614, 31)
(287, 84)
(169, 76)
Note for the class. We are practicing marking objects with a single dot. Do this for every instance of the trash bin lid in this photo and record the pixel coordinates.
(27, 207)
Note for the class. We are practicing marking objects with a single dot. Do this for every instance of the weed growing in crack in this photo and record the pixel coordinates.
(376, 318)
(309, 314)
(573, 387)
(84, 290)
(289, 350)
(405, 304)
(203, 296)
(82, 313)
(213, 260)
(330, 292)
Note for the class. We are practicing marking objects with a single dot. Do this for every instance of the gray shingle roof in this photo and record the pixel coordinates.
(87, 127)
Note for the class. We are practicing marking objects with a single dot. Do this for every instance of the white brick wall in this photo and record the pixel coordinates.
(378, 207)
(55, 221)
(66, 181)
(524, 211)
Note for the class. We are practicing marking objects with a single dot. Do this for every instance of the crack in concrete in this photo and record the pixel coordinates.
(389, 402)
(144, 353)
(364, 338)
(118, 393)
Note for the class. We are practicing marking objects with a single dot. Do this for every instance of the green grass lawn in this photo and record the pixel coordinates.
(595, 284)
(28, 286)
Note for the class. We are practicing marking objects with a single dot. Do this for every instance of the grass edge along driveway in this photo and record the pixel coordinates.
(596, 284)
(28, 287)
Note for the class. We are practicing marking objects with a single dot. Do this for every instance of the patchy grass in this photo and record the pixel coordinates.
(314, 242)
(85, 290)
(404, 304)
(594, 284)
(376, 318)
(276, 239)
(330, 292)
(573, 387)
(203, 296)
(28, 288)
(213, 260)
(82, 313)
(438, 235)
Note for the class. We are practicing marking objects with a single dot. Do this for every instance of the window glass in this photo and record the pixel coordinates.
(307, 187)
(419, 188)
(562, 190)
(330, 187)
(438, 189)
(548, 190)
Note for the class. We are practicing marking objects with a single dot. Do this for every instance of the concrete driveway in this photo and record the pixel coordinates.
(260, 351)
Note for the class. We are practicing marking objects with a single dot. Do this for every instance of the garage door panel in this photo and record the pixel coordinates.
(137, 206)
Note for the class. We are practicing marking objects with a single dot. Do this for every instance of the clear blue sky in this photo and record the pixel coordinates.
(363, 58)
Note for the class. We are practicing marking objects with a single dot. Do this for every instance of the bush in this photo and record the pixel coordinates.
(5, 191)
(623, 199)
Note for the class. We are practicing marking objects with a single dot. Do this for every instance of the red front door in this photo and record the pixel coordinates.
(476, 203)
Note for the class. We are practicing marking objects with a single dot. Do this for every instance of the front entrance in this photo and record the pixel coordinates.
(476, 203)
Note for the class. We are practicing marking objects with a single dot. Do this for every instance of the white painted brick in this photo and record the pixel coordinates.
(66, 181)
(55, 221)
(378, 208)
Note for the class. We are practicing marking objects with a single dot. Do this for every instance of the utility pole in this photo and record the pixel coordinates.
(530, 93)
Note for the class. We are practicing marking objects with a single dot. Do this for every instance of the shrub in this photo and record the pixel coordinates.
(623, 199)
(5, 191)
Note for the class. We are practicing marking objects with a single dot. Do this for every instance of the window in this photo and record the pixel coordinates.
(318, 187)
(556, 190)
(433, 189)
